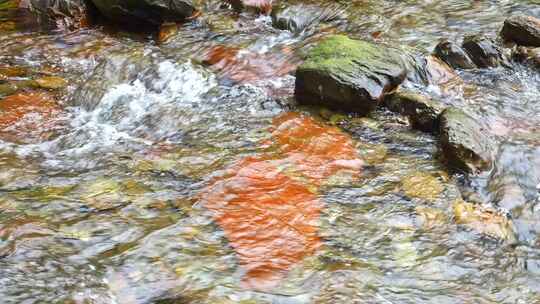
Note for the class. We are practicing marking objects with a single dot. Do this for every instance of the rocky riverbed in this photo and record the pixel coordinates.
(256, 151)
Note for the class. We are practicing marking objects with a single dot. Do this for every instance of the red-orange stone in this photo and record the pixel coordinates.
(28, 117)
(270, 220)
(269, 215)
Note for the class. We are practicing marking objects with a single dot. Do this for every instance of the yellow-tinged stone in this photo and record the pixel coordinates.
(101, 186)
(423, 186)
(9, 72)
(51, 82)
(131, 187)
(373, 154)
(166, 31)
(71, 233)
(483, 220)
(7, 26)
(430, 217)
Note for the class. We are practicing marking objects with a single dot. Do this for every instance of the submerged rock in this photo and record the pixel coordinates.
(438, 71)
(453, 55)
(422, 185)
(29, 118)
(522, 30)
(527, 55)
(117, 68)
(483, 220)
(154, 12)
(51, 82)
(423, 111)
(348, 74)
(483, 51)
(301, 17)
(466, 144)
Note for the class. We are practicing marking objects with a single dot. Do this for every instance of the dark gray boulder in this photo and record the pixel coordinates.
(483, 51)
(522, 30)
(153, 12)
(453, 55)
(423, 111)
(347, 74)
(302, 17)
(465, 143)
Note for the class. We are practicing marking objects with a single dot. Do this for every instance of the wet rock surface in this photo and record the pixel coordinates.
(453, 55)
(107, 207)
(348, 74)
(423, 111)
(465, 143)
(523, 30)
(131, 13)
(526, 55)
(305, 17)
(61, 14)
(483, 51)
(483, 220)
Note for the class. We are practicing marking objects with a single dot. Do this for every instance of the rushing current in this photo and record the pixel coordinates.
(141, 179)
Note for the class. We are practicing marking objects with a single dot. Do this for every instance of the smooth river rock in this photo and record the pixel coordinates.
(346, 74)
(302, 17)
(483, 51)
(522, 30)
(453, 55)
(154, 12)
(423, 111)
(465, 143)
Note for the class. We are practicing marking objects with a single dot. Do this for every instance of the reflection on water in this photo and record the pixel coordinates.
(183, 172)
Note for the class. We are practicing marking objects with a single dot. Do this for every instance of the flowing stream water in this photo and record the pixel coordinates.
(109, 204)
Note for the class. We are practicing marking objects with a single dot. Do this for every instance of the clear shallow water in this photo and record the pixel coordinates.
(108, 208)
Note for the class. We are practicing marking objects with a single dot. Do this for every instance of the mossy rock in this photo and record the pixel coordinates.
(346, 74)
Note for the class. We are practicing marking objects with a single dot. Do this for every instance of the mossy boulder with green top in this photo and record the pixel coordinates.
(351, 75)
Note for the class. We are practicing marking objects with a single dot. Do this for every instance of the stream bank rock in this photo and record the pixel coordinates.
(153, 12)
(522, 30)
(453, 55)
(346, 74)
(423, 111)
(483, 51)
(465, 143)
